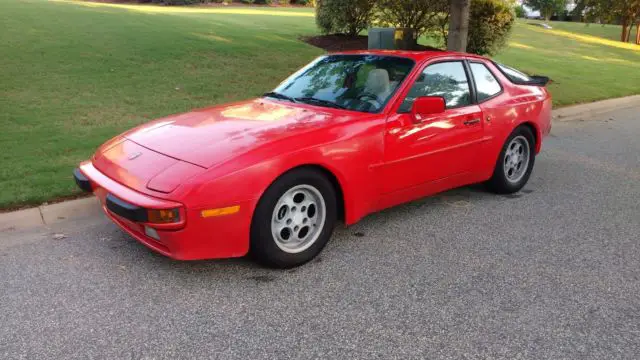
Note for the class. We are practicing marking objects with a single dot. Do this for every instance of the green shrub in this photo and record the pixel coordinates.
(344, 16)
(490, 23)
(179, 2)
(176, 2)
(419, 15)
(257, 2)
(520, 11)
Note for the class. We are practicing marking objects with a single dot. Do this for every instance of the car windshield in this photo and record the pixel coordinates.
(354, 82)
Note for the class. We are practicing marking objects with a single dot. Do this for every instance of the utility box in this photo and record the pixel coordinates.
(391, 39)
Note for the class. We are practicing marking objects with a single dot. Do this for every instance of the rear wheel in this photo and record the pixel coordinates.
(515, 163)
(294, 219)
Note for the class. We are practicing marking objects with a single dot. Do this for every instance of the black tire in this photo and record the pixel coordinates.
(499, 183)
(263, 247)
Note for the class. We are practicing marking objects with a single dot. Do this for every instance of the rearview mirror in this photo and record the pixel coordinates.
(427, 105)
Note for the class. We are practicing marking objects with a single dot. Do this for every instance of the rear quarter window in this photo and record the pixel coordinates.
(487, 86)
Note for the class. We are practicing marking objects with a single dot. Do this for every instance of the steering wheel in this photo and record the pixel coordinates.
(371, 98)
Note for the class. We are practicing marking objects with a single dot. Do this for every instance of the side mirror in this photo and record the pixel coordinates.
(427, 105)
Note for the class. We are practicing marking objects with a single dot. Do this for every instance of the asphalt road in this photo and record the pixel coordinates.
(552, 272)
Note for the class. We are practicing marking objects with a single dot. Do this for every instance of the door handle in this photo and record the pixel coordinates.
(471, 122)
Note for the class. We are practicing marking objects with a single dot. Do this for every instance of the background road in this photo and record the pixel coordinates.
(552, 272)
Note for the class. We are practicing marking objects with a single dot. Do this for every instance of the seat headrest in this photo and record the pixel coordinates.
(377, 82)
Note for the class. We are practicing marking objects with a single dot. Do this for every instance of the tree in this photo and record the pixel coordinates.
(630, 13)
(607, 11)
(417, 15)
(458, 25)
(344, 16)
(547, 7)
(438, 18)
(490, 24)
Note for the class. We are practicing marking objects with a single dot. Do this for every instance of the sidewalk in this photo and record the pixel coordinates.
(579, 112)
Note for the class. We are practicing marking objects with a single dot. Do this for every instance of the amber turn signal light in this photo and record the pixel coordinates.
(163, 216)
(220, 211)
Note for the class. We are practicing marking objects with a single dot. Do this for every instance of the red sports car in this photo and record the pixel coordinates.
(347, 135)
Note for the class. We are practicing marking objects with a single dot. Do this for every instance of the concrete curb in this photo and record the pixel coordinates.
(46, 215)
(580, 112)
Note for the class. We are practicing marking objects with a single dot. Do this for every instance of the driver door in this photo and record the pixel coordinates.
(425, 149)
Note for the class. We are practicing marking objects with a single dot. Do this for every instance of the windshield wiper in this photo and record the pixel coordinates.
(310, 99)
(278, 95)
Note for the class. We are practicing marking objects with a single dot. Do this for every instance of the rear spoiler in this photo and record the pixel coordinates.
(534, 80)
(537, 80)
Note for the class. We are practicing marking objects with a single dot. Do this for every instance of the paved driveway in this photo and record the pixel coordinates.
(552, 272)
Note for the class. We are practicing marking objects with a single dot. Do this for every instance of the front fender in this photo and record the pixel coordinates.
(245, 179)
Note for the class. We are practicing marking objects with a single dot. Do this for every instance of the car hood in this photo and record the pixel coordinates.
(211, 136)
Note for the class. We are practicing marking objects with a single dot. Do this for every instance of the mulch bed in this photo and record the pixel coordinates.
(341, 42)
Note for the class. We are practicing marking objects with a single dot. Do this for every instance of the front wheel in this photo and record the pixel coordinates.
(294, 219)
(515, 163)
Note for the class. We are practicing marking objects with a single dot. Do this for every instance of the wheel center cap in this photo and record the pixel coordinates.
(298, 218)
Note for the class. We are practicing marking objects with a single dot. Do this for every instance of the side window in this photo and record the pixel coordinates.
(486, 84)
(446, 79)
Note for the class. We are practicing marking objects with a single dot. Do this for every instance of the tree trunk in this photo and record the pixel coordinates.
(638, 33)
(458, 25)
(625, 26)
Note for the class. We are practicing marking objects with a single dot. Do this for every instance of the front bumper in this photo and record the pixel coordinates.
(82, 181)
(196, 238)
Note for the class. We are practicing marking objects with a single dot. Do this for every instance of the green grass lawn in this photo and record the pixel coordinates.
(75, 74)
(611, 32)
(583, 61)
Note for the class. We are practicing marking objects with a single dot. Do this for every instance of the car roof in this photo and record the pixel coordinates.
(414, 55)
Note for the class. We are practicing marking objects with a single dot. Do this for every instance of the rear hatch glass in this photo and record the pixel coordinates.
(520, 78)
